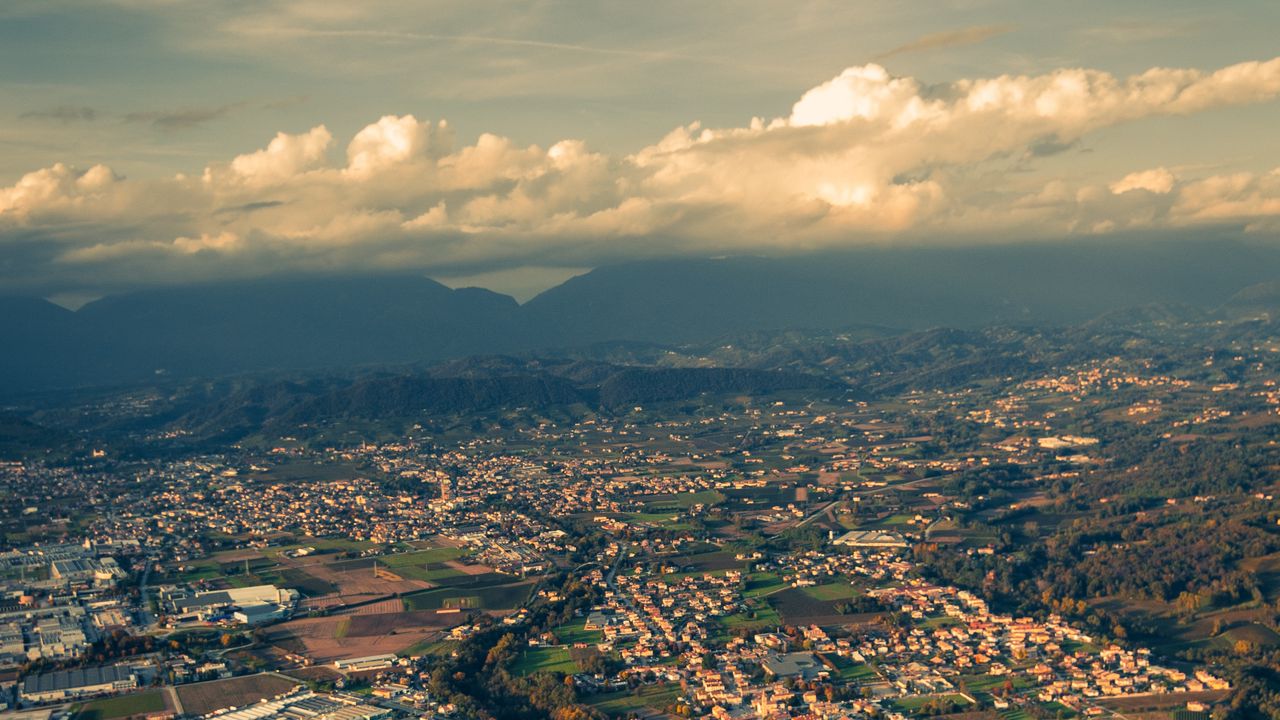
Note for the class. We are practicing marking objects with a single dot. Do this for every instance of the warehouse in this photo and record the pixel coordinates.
(67, 684)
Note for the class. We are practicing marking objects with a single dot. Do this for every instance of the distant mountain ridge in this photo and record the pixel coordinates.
(340, 322)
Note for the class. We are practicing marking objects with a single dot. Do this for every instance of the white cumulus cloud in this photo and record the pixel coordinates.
(865, 156)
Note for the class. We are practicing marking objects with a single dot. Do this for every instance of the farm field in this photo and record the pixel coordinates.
(325, 639)
(205, 697)
(798, 607)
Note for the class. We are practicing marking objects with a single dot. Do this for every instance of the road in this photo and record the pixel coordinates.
(617, 562)
(146, 619)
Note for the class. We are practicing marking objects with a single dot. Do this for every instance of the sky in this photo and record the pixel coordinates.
(514, 144)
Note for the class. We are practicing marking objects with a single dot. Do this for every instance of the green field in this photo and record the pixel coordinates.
(122, 706)
(686, 500)
(892, 521)
(765, 617)
(987, 683)
(576, 632)
(619, 704)
(430, 646)
(536, 660)
(850, 670)
(832, 591)
(909, 704)
(421, 557)
(762, 583)
(1258, 635)
(667, 521)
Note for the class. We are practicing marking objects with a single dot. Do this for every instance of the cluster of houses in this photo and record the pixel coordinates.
(955, 633)
(671, 624)
(657, 615)
(357, 508)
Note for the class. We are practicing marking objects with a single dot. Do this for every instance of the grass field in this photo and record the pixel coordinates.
(987, 683)
(430, 646)
(417, 565)
(686, 500)
(122, 707)
(619, 704)
(667, 521)
(536, 660)
(576, 632)
(833, 591)
(762, 583)
(909, 704)
(892, 521)
(850, 670)
(765, 616)
(1252, 633)
(422, 557)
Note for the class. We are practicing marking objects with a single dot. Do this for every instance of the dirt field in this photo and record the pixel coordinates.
(203, 698)
(354, 584)
(321, 673)
(468, 569)
(347, 636)
(796, 607)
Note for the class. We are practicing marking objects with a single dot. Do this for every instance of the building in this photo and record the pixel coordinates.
(305, 705)
(259, 614)
(68, 684)
(259, 603)
(803, 665)
(102, 572)
(361, 664)
(870, 538)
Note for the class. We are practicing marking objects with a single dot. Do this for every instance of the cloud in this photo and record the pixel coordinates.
(182, 118)
(863, 157)
(1144, 30)
(947, 38)
(284, 157)
(63, 113)
(1159, 181)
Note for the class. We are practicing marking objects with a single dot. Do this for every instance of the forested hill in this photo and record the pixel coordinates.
(485, 385)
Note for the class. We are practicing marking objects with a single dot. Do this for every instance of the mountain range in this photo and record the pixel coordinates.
(341, 322)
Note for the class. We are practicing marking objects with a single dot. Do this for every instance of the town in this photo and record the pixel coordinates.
(780, 555)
